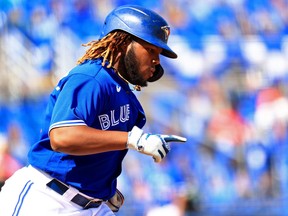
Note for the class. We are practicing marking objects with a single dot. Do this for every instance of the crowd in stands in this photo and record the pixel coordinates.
(227, 94)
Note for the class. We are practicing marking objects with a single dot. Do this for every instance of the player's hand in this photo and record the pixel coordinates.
(155, 145)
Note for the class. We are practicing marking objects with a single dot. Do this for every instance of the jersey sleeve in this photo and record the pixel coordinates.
(77, 102)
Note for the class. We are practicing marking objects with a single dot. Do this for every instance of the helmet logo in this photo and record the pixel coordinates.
(166, 30)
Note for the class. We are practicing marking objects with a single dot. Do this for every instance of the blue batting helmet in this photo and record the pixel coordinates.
(142, 23)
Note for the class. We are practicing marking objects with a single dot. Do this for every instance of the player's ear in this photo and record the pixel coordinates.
(159, 71)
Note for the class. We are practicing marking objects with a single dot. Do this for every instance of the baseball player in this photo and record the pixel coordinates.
(92, 119)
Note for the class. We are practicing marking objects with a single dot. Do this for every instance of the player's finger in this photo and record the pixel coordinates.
(174, 138)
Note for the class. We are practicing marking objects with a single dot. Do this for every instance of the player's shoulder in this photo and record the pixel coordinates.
(90, 68)
(90, 71)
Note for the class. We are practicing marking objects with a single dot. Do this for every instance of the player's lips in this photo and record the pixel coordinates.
(152, 71)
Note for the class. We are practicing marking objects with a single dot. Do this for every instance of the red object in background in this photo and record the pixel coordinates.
(268, 95)
(8, 165)
(227, 124)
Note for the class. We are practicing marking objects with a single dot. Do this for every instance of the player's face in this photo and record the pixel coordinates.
(140, 60)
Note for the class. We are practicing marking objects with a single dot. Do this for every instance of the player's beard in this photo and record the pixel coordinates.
(131, 70)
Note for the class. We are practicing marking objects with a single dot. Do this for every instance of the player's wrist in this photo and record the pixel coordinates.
(134, 137)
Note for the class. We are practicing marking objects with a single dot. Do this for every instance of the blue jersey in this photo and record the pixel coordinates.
(95, 96)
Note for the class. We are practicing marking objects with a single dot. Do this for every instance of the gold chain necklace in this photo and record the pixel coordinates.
(132, 87)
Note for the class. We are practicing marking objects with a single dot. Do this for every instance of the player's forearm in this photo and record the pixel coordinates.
(83, 140)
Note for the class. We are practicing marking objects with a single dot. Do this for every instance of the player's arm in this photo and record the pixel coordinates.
(84, 140)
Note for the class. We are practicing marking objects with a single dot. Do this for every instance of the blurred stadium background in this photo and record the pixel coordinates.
(227, 93)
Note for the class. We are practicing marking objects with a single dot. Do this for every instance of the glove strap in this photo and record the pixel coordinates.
(134, 137)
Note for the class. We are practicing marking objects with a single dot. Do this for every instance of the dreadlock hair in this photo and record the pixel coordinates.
(107, 47)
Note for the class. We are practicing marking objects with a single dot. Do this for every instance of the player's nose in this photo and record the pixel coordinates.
(156, 61)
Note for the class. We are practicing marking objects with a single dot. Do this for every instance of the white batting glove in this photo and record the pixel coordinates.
(155, 145)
